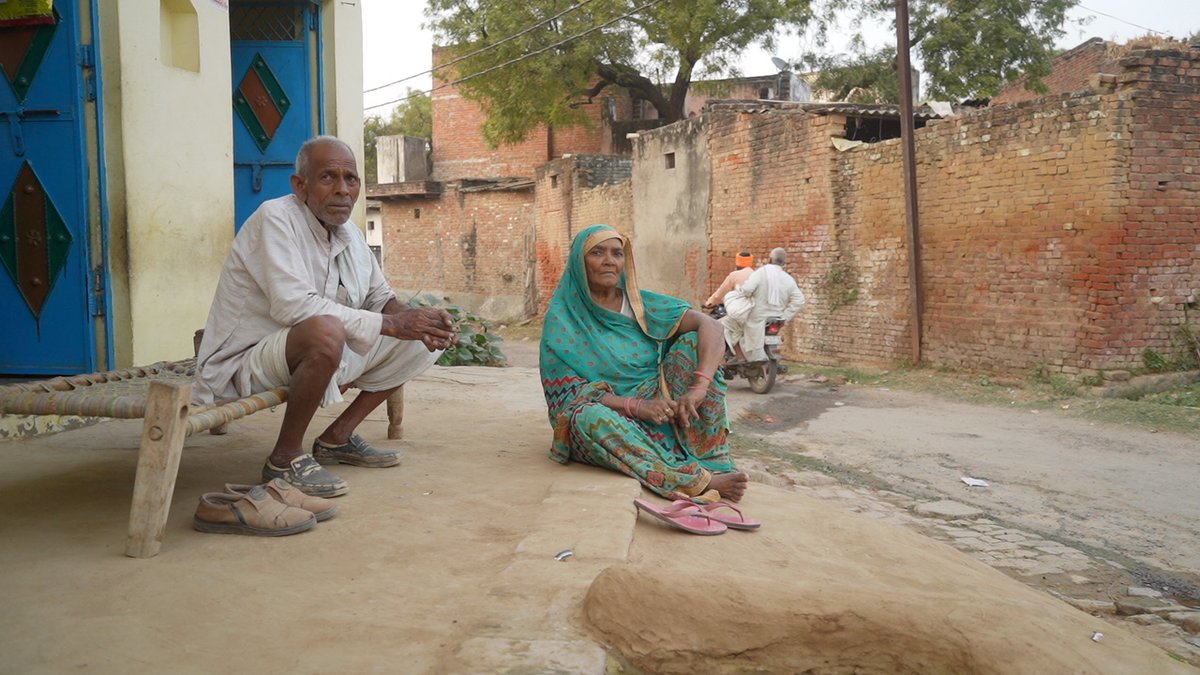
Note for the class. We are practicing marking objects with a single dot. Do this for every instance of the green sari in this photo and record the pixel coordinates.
(588, 351)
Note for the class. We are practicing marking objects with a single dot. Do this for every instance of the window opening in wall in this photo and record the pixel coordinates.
(874, 130)
(179, 35)
(670, 157)
(766, 93)
(370, 226)
(267, 21)
(416, 214)
(553, 180)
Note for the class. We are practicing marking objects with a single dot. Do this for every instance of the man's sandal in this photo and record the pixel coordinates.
(355, 452)
(254, 513)
(305, 473)
(285, 493)
(688, 518)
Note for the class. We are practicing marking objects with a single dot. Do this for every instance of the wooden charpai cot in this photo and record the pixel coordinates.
(160, 394)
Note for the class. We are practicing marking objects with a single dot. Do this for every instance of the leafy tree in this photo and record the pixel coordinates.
(969, 49)
(411, 117)
(653, 54)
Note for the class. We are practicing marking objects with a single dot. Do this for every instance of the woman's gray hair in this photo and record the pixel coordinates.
(306, 149)
(778, 256)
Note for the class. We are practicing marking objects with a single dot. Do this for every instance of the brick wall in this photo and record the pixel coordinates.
(1059, 232)
(771, 186)
(1070, 72)
(571, 194)
(459, 150)
(472, 247)
(1154, 267)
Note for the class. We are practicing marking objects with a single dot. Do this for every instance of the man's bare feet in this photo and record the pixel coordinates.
(731, 485)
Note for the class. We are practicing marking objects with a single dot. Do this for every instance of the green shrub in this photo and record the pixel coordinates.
(477, 345)
(1154, 362)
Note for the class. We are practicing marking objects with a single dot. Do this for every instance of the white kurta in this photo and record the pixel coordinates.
(282, 270)
(774, 293)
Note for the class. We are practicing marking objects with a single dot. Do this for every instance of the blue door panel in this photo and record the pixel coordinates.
(42, 153)
(261, 174)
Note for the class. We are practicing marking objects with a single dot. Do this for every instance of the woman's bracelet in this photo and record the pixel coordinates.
(625, 405)
(700, 374)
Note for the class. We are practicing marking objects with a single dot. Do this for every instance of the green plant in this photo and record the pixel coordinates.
(478, 344)
(1154, 362)
(1190, 338)
(1039, 373)
(839, 285)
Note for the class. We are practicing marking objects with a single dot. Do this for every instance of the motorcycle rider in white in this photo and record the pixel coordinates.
(772, 292)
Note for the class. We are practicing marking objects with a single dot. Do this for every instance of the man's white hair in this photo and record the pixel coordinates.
(778, 256)
(305, 153)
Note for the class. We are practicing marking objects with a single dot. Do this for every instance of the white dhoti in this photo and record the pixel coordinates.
(387, 365)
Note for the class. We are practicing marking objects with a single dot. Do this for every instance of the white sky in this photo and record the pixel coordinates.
(395, 45)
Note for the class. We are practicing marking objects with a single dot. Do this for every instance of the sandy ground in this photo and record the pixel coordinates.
(447, 564)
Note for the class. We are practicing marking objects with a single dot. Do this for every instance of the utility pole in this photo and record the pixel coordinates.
(916, 289)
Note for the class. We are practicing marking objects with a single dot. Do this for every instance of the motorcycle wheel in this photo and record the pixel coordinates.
(763, 377)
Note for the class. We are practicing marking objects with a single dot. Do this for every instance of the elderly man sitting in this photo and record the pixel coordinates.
(302, 303)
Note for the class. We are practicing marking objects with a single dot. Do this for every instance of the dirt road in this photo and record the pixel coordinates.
(1124, 493)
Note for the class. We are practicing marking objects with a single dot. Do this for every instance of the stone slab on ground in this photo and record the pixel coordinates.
(947, 508)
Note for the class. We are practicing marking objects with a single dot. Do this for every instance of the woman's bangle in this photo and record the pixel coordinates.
(700, 374)
(625, 405)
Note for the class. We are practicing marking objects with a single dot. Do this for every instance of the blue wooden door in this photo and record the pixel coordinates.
(272, 97)
(44, 234)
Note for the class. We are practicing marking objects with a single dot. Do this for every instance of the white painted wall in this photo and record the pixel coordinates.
(176, 148)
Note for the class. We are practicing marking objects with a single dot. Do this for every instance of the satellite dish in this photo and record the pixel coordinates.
(780, 63)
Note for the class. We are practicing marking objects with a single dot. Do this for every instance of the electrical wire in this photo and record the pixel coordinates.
(481, 50)
(1117, 18)
(537, 52)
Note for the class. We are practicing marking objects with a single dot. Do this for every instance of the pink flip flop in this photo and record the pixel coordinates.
(734, 520)
(688, 518)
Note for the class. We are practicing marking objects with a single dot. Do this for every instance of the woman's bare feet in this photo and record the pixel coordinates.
(731, 485)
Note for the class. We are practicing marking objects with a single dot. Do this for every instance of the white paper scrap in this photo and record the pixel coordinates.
(974, 482)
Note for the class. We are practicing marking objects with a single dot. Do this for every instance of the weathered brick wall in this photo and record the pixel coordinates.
(1014, 202)
(571, 194)
(1060, 232)
(459, 150)
(771, 177)
(1154, 266)
(472, 247)
(1072, 71)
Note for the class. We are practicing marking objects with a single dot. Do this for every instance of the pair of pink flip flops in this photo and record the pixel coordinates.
(699, 518)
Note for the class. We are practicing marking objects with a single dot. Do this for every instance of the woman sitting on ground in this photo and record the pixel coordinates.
(631, 377)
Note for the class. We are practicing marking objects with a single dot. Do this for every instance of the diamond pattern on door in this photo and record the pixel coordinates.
(34, 240)
(260, 102)
(22, 49)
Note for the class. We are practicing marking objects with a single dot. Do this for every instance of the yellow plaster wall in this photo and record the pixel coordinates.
(176, 147)
(343, 70)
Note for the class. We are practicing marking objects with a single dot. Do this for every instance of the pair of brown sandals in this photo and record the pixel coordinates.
(273, 509)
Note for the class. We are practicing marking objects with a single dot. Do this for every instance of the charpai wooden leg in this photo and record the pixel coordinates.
(395, 413)
(158, 464)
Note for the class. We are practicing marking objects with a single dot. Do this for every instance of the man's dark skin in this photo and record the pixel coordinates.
(314, 346)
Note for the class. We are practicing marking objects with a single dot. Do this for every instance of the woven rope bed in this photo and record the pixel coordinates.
(160, 394)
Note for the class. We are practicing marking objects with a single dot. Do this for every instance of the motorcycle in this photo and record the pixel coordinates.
(760, 374)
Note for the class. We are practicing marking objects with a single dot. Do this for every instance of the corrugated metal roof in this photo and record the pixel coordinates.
(877, 110)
